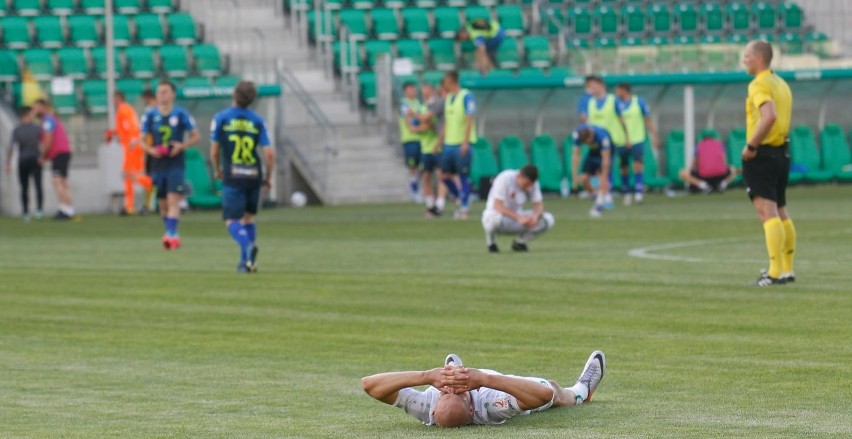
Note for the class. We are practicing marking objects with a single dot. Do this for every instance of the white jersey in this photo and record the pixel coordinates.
(490, 406)
(505, 188)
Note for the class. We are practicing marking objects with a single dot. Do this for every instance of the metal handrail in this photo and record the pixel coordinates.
(293, 86)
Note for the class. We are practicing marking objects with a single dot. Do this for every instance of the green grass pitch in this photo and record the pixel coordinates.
(103, 334)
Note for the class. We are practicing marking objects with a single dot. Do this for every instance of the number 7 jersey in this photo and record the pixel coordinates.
(241, 134)
(165, 129)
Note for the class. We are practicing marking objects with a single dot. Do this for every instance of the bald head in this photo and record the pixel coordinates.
(452, 411)
(762, 50)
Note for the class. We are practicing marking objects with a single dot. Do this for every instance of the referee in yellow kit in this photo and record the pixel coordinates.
(766, 160)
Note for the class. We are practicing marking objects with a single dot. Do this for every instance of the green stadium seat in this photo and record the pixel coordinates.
(835, 152)
(160, 6)
(9, 66)
(712, 17)
(687, 18)
(739, 17)
(95, 96)
(416, 23)
(508, 56)
(61, 7)
(554, 20)
(317, 28)
(483, 164)
(537, 51)
(511, 19)
(374, 48)
(607, 21)
(127, 6)
(511, 153)
(48, 31)
(353, 57)
(204, 192)
(425, 4)
(121, 30)
(72, 62)
(207, 59)
(149, 29)
(140, 62)
(363, 4)
(661, 18)
(99, 61)
(634, 19)
(792, 43)
(764, 16)
(468, 53)
(65, 104)
(132, 88)
(545, 156)
(531, 72)
(476, 12)
(675, 159)
(83, 30)
(227, 81)
(653, 180)
(447, 22)
(39, 62)
(804, 153)
(385, 26)
(355, 22)
(93, 7)
(736, 141)
(182, 28)
(27, 8)
(443, 53)
(433, 77)
(367, 86)
(16, 32)
(580, 21)
(707, 133)
(395, 4)
(792, 17)
(4, 8)
(173, 61)
(413, 50)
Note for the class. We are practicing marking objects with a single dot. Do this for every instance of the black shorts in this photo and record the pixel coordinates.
(767, 174)
(714, 182)
(59, 165)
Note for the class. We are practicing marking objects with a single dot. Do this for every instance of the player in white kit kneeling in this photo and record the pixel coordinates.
(504, 213)
(460, 395)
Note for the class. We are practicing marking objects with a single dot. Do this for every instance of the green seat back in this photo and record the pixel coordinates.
(83, 30)
(182, 28)
(447, 22)
(835, 149)
(132, 88)
(581, 21)
(792, 17)
(385, 25)
(433, 77)
(803, 148)
(353, 54)
(127, 6)
(511, 153)
(476, 12)
(675, 160)
(739, 17)
(173, 61)
(537, 50)
(413, 50)
(61, 7)
(48, 31)
(92, 7)
(4, 8)
(121, 30)
(203, 193)
(363, 4)
(39, 62)
(553, 19)
(508, 56)
(140, 61)
(736, 142)
(764, 14)
(16, 32)
(95, 95)
(483, 163)
(661, 18)
(545, 156)
(355, 22)
(207, 59)
(8, 66)
(707, 133)
(72, 62)
(652, 168)
(367, 83)
(511, 19)
(99, 60)
(713, 17)
(27, 7)
(160, 6)
(416, 23)
(607, 20)
(317, 27)
(443, 53)
(687, 18)
(374, 48)
(634, 19)
(149, 29)
(65, 105)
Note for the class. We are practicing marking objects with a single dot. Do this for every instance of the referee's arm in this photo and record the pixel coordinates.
(767, 119)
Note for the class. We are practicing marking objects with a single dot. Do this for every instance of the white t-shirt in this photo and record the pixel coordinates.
(505, 188)
(490, 406)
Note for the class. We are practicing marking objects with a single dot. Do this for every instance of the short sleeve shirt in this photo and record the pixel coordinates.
(505, 188)
(769, 87)
(601, 143)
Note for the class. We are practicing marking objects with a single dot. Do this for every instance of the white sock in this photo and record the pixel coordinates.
(441, 203)
(66, 209)
(580, 391)
(430, 202)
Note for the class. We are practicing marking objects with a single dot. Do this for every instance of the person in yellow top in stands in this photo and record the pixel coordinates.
(487, 36)
(766, 160)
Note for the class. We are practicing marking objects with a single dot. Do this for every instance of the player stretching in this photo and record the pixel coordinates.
(239, 131)
(597, 107)
(164, 129)
(598, 162)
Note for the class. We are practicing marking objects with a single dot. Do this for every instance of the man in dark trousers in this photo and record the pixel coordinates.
(27, 136)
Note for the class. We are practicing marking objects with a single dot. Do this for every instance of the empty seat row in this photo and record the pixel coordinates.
(135, 61)
(94, 7)
(87, 30)
(393, 4)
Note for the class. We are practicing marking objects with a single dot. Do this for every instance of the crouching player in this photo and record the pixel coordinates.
(236, 134)
(598, 163)
(504, 212)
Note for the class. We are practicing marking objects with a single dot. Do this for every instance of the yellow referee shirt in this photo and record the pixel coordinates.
(769, 87)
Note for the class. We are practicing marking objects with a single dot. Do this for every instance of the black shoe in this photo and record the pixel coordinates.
(786, 277)
(766, 281)
(493, 248)
(435, 212)
(251, 263)
(519, 246)
(61, 216)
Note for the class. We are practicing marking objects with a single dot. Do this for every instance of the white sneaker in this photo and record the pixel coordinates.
(453, 360)
(584, 195)
(595, 212)
(628, 199)
(593, 372)
(639, 198)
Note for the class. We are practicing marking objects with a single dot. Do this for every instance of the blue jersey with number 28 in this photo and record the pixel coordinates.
(241, 134)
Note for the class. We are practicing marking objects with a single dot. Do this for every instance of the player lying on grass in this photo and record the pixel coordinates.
(460, 395)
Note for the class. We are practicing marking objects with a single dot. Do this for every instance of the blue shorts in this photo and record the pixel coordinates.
(429, 162)
(453, 162)
(635, 152)
(411, 152)
(169, 181)
(592, 165)
(493, 44)
(238, 201)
